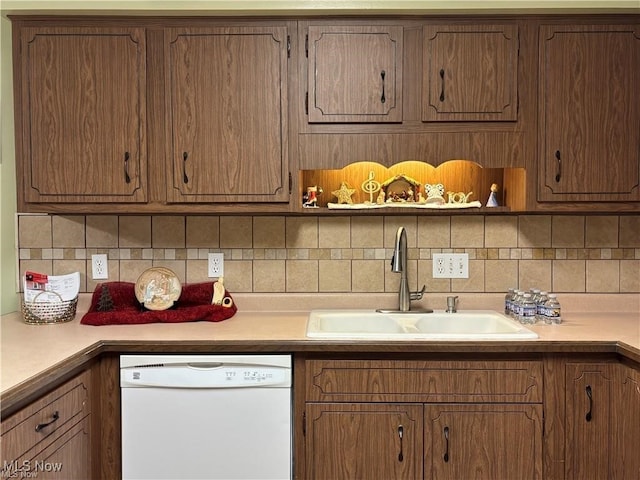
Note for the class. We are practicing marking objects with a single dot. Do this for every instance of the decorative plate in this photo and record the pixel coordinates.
(158, 288)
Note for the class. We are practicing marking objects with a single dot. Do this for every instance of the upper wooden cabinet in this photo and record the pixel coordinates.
(80, 114)
(355, 73)
(589, 113)
(226, 103)
(470, 73)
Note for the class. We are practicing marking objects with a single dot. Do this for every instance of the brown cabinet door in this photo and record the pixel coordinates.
(625, 461)
(227, 123)
(82, 114)
(470, 73)
(355, 74)
(363, 441)
(588, 420)
(589, 100)
(483, 441)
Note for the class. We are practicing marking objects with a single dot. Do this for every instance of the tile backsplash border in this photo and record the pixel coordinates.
(342, 254)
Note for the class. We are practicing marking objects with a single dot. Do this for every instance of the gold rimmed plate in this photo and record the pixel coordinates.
(158, 288)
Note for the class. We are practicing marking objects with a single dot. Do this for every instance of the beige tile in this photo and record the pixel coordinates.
(501, 231)
(130, 270)
(268, 232)
(391, 225)
(238, 276)
(434, 232)
(535, 274)
(367, 275)
(34, 231)
(168, 231)
(302, 232)
(196, 271)
(500, 275)
(601, 231)
(334, 232)
(475, 282)
(630, 276)
(334, 275)
(367, 232)
(567, 231)
(68, 231)
(203, 232)
(467, 232)
(269, 276)
(101, 231)
(134, 231)
(302, 276)
(603, 276)
(425, 276)
(569, 276)
(630, 231)
(236, 232)
(534, 231)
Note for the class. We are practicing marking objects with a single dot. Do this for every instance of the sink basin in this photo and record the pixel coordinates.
(466, 325)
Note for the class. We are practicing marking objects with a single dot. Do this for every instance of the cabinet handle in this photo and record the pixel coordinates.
(446, 444)
(383, 98)
(185, 179)
(54, 417)
(442, 84)
(127, 178)
(559, 166)
(401, 436)
(590, 396)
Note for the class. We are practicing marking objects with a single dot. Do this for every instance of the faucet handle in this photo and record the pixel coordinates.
(417, 295)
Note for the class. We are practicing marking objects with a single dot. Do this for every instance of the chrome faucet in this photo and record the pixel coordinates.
(399, 265)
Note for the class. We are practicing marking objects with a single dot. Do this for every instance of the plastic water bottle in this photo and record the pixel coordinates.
(552, 313)
(528, 315)
(516, 303)
(542, 299)
(508, 300)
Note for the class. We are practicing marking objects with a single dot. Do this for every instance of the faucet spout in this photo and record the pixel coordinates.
(399, 265)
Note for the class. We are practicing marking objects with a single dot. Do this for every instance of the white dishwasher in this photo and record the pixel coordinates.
(206, 417)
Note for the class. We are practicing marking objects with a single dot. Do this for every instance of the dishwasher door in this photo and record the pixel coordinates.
(206, 417)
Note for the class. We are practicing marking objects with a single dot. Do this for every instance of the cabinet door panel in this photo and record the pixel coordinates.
(83, 125)
(590, 113)
(470, 72)
(483, 441)
(588, 420)
(625, 458)
(363, 441)
(355, 74)
(227, 121)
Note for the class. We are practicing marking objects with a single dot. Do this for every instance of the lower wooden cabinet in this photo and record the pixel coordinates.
(368, 419)
(602, 422)
(50, 438)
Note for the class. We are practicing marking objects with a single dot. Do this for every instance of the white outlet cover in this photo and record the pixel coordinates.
(99, 267)
(216, 265)
(450, 265)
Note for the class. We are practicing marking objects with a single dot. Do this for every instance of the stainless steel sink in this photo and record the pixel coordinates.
(467, 325)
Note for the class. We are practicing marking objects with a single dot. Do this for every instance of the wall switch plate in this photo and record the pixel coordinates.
(99, 267)
(216, 265)
(450, 265)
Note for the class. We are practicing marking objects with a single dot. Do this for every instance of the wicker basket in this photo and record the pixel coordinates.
(41, 313)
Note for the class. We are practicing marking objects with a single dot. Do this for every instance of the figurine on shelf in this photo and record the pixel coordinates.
(380, 199)
(310, 199)
(435, 193)
(493, 198)
(370, 186)
(344, 193)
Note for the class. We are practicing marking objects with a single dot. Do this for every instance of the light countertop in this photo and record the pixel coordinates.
(278, 323)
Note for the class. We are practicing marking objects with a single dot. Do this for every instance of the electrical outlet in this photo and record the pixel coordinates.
(450, 265)
(99, 267)
(216, 265)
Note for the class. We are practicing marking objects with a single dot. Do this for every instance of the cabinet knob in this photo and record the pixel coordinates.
(558, 166)
(54, 417)
(127, 178)
(383, 98)
(590, 397)
(185, 178)
(442, 84)
(446, 444)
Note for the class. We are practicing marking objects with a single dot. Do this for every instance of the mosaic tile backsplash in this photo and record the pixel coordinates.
(560, 253)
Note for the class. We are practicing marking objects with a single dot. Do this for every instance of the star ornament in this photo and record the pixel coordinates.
(344, 193)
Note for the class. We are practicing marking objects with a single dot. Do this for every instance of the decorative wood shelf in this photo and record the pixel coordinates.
(457, 177)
